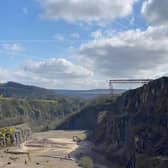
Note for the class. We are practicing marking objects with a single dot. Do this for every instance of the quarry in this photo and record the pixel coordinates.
(124, 131)
(49, 149)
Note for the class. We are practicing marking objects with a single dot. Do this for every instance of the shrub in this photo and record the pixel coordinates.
(86, 162)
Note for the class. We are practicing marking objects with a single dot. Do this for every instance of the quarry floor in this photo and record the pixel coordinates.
(52, 149)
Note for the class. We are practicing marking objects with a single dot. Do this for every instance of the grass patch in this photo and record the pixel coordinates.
(86, 162)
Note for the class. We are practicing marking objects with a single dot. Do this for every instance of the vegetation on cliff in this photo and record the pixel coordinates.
(42, 114)
(90, 115)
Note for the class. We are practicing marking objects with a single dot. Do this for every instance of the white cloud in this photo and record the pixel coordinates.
(110, 54)
(55, 73)
(86, 10)
(133, 53)
(57, 68)
(44, 75)
(155, 11)
(12, 47)
(4, 75)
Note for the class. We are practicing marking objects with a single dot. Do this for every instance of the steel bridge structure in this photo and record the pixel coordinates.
(127, 81)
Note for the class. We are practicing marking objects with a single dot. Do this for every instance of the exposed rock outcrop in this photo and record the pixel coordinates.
(88, 117)
(14, 135)
(138, 124)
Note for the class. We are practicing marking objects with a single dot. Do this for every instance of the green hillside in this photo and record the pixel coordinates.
(41, 114)
(12, 89)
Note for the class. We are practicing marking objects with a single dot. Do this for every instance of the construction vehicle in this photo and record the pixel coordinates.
(76, 139)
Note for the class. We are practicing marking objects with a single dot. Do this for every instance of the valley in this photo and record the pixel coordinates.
(121, 131)
(84, 84)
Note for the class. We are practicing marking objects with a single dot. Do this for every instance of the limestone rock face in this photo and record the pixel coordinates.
(14, 135)
(138, 123)
(22, 134)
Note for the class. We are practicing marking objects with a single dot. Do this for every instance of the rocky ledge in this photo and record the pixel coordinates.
(14, 135)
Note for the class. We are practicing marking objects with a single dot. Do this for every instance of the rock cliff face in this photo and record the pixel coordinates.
(21, 134)
(137, 124)
(88, 117)
(14, 135)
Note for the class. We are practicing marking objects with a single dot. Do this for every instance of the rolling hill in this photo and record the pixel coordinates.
(13, 89)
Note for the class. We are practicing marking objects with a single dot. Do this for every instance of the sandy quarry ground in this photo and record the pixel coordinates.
(52, 149)
(46, 150)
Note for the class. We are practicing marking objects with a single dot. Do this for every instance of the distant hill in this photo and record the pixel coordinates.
(13, 89)
(88, 93)
(40, 107)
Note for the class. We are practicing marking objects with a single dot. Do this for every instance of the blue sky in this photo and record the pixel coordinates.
(52, 43)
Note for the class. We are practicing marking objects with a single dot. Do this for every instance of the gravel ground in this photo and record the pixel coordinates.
(46, 150)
